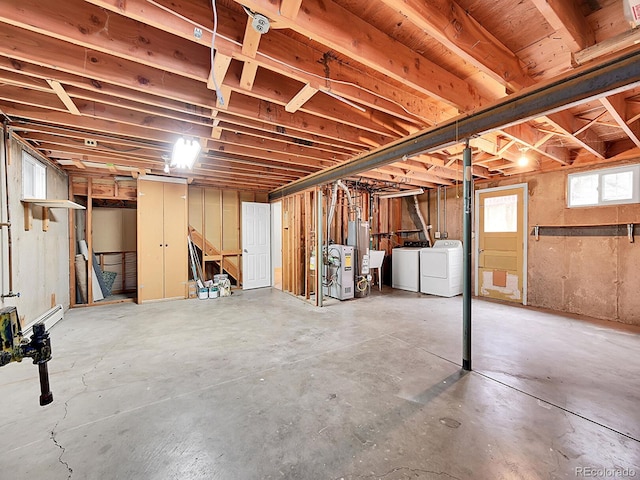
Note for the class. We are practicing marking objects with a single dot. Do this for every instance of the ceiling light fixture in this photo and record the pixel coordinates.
(523, 161)
(401, 193)
(185, 153)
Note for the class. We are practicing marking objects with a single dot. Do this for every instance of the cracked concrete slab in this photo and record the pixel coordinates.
(261, 385)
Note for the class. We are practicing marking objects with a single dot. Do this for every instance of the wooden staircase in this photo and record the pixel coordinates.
(212, 254)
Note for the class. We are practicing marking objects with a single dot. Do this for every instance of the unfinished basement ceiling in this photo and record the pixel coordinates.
(135, 75)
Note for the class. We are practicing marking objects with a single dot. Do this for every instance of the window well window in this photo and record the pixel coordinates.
(609, 186)
(34, 177)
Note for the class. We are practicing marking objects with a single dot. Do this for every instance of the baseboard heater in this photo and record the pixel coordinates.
(50, 318)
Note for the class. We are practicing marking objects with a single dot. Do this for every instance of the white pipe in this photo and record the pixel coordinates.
(332, 207)
(438, 211)
(350, 200)
(444, 211)
(425, 228)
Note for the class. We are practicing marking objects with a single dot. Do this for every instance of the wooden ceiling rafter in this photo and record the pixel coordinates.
(617, 108)
(329, 24)
(280, 54)
(566, 18)
(144, 69)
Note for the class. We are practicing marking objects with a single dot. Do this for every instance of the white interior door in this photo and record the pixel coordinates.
(256, 245)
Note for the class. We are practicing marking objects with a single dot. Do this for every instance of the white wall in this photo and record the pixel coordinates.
(40, 259)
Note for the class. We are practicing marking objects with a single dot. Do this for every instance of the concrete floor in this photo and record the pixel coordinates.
(262, 385)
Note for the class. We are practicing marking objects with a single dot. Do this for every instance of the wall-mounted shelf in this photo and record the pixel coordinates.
(620, 229)
(46, 204)
(398, 232)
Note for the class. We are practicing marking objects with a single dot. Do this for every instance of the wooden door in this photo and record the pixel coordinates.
(256, 245)
(150, 240)
(175, 240)
(501, 237)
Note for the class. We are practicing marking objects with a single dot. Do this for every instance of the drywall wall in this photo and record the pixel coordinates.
(593, 276)
(40, 259)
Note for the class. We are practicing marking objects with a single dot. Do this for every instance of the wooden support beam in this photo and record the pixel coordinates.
(63, 96)
(301, 98)
(78, 163)
(290, 8)
(329, 24)
(248, 77)
(216, 132)
(97, 33)
(616, 106)
(221, 64)
(274, 57)
(566, 123)
(535, 140)
(567, 18)
(618, 43)
(457, 30)
(45, 219)
(21, 45)
(251, 40)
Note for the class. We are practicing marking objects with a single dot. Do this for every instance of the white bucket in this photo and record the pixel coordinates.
(203, 293)
(213, 291)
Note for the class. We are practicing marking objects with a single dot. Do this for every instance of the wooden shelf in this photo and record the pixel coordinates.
(46, 204)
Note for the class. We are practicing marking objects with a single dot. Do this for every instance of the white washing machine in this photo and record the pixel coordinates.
(405, 268)
(441, 268)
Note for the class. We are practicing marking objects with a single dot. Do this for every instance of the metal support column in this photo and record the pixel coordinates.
(319, 262)
(466, 279)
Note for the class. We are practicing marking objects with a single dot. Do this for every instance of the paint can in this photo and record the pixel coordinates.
(203, 293)
(213, 291)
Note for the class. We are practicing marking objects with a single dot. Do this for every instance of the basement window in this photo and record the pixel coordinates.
(501, 214)
(34, 177)
(609, 186)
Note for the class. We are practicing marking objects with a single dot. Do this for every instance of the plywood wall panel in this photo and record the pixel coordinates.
(195, 208)
(107, 230)
(231, 215)
(213, 216)
(129, 229)
(628, 281)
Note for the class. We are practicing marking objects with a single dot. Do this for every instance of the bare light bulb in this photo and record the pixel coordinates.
(166, 168)
(523, 161)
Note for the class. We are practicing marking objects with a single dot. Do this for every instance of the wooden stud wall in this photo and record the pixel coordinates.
(299, 213)
(99, 188)
(215, 215)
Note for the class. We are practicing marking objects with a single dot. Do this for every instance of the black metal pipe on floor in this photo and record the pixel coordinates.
(466, 265)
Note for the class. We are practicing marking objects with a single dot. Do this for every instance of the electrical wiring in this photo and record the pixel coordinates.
(281, 62)
(219, 95)
(362, 284)
(247, 11)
